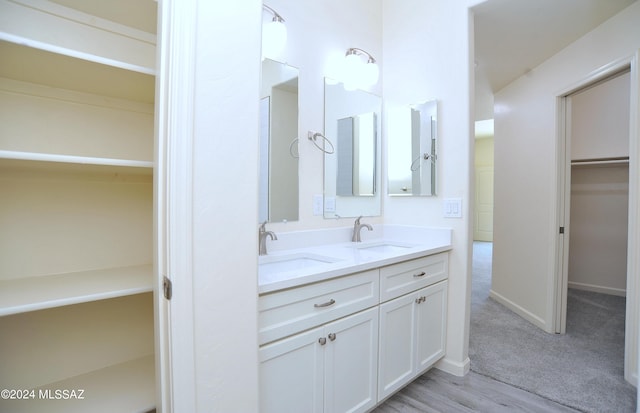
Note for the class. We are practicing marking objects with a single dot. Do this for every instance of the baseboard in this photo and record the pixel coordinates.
(454, 367)
(598, 289)
(527, 315)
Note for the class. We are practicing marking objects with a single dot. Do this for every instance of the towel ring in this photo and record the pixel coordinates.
(295, 154)
(313, 137)
(415, 165)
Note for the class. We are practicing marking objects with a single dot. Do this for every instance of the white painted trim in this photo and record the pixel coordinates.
(632, 343)
(522, 312)
(598, 289)
(175, 91)
(453, 367)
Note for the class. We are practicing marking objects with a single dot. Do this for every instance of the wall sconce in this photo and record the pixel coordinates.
(359, 73)
(274, 34)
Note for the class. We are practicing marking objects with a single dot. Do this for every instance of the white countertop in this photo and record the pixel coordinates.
(329, 253)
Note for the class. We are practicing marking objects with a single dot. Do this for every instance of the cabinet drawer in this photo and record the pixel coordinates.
(287, 312)
(404, 277)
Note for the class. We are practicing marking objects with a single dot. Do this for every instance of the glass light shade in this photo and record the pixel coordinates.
(370, 73)
(352, 70)
(274, 38)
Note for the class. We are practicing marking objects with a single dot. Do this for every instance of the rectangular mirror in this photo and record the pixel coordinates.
(351, 172)
(412, 150)
(278, 191)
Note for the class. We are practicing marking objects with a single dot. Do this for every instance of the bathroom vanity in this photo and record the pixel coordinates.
(344, 325)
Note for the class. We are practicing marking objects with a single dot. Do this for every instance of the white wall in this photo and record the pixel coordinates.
(427, 47)
(526, 219)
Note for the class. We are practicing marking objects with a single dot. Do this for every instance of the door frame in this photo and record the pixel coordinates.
(558, 295)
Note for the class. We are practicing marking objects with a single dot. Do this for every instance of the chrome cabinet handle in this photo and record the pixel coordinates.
(332, 336)
(327, 304)
(421, 274)
(322, 341)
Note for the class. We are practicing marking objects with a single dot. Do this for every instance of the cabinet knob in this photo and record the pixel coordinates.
(420, 274)
(332, 336)
(322, 341)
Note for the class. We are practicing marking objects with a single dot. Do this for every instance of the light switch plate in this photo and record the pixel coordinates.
(452, 208)
(330, 204)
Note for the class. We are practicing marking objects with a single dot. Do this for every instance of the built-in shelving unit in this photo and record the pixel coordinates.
(76, 177)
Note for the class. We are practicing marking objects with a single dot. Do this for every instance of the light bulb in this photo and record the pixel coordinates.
(274, 38)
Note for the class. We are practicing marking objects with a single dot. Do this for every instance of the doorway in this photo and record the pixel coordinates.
(595, 135)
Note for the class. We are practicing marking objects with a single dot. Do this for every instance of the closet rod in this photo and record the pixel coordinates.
(601, 161)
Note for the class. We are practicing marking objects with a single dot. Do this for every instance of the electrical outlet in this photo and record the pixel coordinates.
(317, 204)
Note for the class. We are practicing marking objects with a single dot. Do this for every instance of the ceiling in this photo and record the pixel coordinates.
(514, 36)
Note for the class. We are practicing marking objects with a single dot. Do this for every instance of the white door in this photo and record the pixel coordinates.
(430, 324)
(397, 344)
(291, 374)
(483, 220)
(351, 363)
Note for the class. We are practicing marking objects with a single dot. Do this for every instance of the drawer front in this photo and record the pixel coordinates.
(408, 276)
(287, 312)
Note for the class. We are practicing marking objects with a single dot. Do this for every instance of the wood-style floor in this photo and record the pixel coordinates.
(437, 391)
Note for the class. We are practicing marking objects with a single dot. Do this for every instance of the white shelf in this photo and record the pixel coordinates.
(125, 387)
(69, 161)
(37, 293)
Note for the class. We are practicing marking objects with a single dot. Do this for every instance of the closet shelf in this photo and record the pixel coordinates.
(22, 295)
(124, 387)
(71, 160)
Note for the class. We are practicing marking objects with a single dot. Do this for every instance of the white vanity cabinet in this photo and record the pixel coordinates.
(345, 344)
(332, 368)
(76, 178)
(330, 363)
(412, 320)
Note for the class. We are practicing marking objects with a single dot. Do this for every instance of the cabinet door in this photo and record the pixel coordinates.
(397, 344)
(431, 307)
(351, 363)
(291, 374)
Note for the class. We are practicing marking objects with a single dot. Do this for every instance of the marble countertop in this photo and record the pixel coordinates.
(331, 255)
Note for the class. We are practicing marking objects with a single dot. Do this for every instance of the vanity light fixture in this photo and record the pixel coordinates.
(274, 34)
(357, 72)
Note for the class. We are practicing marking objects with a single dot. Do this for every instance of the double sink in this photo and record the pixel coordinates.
(277, 266)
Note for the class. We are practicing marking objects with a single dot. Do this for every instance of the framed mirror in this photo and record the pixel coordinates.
(412, 150)
(352, 123)
(278, 191)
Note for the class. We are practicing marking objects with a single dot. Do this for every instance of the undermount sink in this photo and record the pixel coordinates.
(292, 262)
(383, 247)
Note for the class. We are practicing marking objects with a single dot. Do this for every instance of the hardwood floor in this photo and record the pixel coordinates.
(437, 391)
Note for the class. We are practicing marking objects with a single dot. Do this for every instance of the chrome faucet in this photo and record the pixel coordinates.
(357, 227)
(262, 238)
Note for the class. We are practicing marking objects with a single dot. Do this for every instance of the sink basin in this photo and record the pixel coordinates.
(285, 263)
(384, 248)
